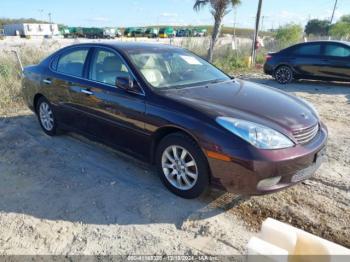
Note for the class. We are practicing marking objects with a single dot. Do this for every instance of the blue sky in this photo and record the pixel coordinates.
(177, 12)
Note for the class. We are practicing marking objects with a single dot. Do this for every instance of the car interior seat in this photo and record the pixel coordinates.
(153, 75)
(112, 67)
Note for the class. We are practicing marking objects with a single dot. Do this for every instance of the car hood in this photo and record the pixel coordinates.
(248, 101)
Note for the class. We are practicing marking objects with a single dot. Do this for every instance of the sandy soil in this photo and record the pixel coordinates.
(67, 195)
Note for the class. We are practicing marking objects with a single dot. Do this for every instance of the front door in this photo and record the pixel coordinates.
(307, 60)
(337, 61)
(115, 116)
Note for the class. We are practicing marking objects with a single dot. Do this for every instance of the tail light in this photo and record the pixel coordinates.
(268, 57)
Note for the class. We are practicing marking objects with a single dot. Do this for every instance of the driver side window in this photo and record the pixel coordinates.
(107, 66)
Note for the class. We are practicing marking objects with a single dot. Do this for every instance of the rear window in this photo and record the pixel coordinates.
(337, 51)
(72, 63)
(311, 49)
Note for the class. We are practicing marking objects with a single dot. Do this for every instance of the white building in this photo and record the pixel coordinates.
(31, 29)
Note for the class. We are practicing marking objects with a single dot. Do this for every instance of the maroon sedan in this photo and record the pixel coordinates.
(168, 106)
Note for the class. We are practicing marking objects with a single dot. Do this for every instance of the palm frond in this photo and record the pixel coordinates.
(235, 2)
(199, 4)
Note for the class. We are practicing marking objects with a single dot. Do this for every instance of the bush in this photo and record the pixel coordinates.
(225, 57)
(10, 77)
(289, 34)
(5, 70)
(317, 27)
(230, 60)
(340, 30)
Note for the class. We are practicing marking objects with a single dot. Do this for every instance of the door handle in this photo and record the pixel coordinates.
(87, 92)
(47, 81)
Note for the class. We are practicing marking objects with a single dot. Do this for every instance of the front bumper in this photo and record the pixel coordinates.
(293, 165)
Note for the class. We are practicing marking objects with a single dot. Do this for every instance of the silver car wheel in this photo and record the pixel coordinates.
(46, 116)
(179, 167)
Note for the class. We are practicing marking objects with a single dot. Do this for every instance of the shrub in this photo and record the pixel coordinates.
(317, 27)
(10, 76)
(5, 70)
(340, 30)
(289, 34)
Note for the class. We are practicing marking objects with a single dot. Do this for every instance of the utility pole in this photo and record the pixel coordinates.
(234, 21)
(234, 46)
(256, 32)
(50, 21)
(335, 8)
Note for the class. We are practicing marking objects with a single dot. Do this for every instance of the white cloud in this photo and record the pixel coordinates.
(99, 19)
(169, 14)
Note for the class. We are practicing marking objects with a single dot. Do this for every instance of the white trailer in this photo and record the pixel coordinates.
(29, 29)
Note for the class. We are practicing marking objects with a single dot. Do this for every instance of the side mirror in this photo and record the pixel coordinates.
(127, 83)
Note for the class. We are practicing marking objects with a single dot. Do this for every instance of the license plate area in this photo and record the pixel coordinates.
(309, 171)
(302, 175)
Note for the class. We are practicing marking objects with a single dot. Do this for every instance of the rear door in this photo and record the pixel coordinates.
(337, 61)
(68, 72)
(307, 59)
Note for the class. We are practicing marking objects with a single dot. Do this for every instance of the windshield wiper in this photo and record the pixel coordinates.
(215, 81)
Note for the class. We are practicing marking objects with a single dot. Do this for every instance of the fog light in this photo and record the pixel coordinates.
(268, 182)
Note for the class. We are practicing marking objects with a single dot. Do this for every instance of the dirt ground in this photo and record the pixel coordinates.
(67, 195)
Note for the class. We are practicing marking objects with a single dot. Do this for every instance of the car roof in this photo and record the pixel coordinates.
(326, 41)
(129, 46)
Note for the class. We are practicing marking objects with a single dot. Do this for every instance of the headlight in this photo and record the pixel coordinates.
(258, 135)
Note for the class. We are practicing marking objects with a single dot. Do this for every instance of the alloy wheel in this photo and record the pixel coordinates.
(284, 75)
(46, 116)
(179, 167)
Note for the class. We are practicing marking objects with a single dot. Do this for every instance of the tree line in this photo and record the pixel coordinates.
(293, 33)
(339, 30)
(5, 21)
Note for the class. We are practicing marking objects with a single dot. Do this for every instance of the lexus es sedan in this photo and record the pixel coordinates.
(321, 60)
(169, 107)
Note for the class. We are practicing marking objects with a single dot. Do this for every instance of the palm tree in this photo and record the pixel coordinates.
(219, 8)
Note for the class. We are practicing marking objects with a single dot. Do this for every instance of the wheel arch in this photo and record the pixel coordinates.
(35, 101)
(281, 64)
(284, 64)
(165, 131)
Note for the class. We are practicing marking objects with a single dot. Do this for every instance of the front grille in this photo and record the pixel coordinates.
(305, 135)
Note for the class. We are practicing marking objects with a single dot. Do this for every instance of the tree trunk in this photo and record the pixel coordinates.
(214, 36)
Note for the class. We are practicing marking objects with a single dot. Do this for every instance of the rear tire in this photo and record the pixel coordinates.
(46, 116)
(283, 75)
(182, 166)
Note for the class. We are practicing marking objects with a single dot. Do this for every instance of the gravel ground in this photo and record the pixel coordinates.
(67, 195)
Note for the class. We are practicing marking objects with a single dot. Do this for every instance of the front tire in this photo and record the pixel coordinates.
(46, 117)
(182, 166)
(284, 75)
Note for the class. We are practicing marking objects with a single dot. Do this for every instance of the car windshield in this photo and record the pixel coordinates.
(164, 69)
